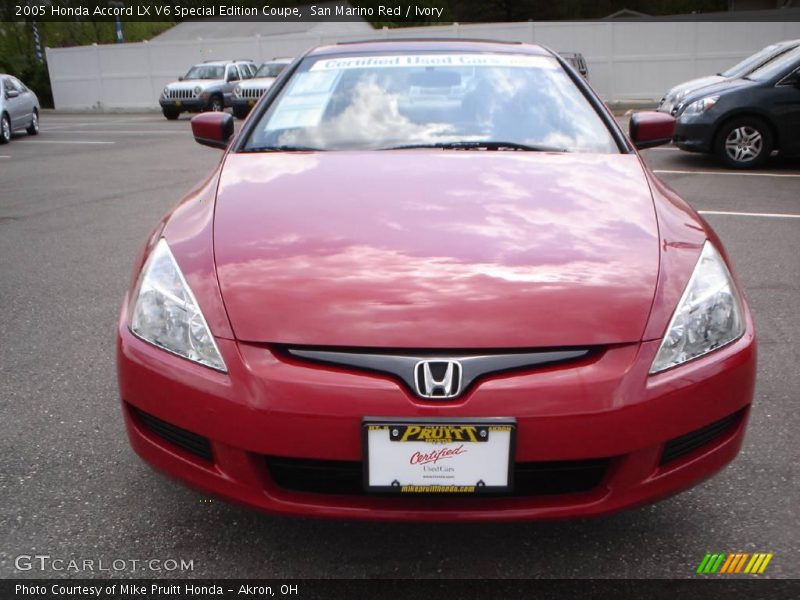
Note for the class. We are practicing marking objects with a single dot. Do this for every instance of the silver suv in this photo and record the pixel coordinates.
(247, 93)
(19, 108)
(206, 86)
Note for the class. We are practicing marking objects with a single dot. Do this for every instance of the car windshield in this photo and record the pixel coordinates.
(465, 101)
(270, 70)
(777, 67)
(755, 60)
(205, 72)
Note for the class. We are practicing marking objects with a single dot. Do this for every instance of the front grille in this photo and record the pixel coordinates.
(683, 445)
(180, 94)
(186, 440)
(252, 93)
(346, 477)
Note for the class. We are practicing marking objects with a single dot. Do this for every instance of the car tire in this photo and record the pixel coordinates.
(216, 103)
(240, 113)
(5, 130)
(171, 114)
(744, 143)
(33, 128)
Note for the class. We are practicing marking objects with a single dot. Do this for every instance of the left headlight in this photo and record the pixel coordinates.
(700, 106)
(197, 90)
(166, 314)
(708, 316)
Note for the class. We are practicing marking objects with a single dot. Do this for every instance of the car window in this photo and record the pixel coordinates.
(383, 101)
(754, 61)
(19, 85)
(205, 72)
(775, 68)
(270, 69)
(233, 73)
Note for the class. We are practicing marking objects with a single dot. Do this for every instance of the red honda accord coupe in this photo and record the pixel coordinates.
(434, 280)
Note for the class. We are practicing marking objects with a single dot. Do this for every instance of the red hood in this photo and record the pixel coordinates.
(436, 249)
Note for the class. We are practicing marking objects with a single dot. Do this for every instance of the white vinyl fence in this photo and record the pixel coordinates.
(628, 61)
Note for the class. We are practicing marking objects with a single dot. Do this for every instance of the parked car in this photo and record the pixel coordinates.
(247, 93)
(206, 86)
(577, 61)
(742, 121)
(676, 95)
(433, 280)
(19, 108)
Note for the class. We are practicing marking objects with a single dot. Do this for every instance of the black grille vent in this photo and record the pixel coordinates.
(346, 477)
(186, 440)
(683, 445)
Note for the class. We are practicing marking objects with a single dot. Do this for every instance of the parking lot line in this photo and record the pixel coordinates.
(743, 173)
(66, 142)
(4, 156)
(748, 214)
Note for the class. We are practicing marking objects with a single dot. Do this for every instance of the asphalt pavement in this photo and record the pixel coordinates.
(76, 203)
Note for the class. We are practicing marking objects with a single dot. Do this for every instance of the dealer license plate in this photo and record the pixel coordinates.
(178, 103)
(438, 457)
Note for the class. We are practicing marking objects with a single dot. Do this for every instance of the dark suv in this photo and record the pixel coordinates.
(206, 86)
(743, 120)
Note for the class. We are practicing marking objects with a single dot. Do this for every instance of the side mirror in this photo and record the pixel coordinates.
(180, 78)
(650, 128)
(12, 93)
(213, 129)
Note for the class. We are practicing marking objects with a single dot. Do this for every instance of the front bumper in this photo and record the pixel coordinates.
(695, 133)
(243, 103)
(184, 104)
(270, 411)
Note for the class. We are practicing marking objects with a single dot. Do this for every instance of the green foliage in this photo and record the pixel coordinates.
(18, 58)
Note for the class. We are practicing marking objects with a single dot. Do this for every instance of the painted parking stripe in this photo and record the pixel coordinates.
(66, 142)
(748, 214)
(4, 156)
(741, 173)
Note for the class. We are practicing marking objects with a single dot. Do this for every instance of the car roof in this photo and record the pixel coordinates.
(429, 44)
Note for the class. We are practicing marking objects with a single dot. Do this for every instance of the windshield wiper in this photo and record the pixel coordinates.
(479, 145)
(283, 148)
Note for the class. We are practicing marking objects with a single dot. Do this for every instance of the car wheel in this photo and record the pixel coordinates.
(217, 104)
(5, 130)
(171, 114)
(33, 128)
(744, 143)
(240, 113)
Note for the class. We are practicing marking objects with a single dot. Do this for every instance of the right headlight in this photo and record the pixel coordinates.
(237, 91)
(700, 106)
(165, 312)
(708, 316)
(166, 91)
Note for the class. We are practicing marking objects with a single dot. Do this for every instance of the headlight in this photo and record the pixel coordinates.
(237, 91)
(708, 316)
(197, 90)
(166, 91)
(165, 312)
(701, 106)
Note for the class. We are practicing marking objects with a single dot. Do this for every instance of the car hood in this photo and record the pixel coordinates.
(257, 82)
(190, 84)
(687, 87)
(436, 249)
(722, 87)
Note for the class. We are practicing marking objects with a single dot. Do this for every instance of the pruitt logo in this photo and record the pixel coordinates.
(720, 563)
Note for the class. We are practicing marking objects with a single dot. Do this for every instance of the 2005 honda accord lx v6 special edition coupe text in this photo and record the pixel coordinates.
(433, 280)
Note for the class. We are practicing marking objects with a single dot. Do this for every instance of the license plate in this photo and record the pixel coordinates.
(178, 103)
(251, 103)
(438, 457)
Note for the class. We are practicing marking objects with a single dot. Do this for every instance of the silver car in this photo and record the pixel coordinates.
(19, 108)
(247, 93)
(206, 86)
